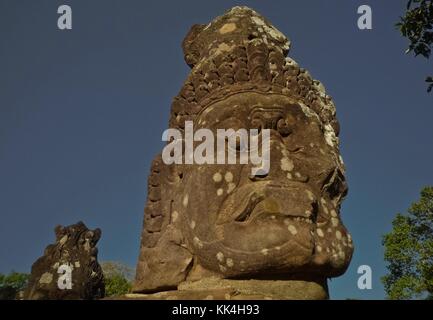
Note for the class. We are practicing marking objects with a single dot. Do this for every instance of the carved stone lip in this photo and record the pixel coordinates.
(264, 203)
(259, 214)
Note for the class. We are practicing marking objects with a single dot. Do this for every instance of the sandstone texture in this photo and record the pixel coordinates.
(216, 230)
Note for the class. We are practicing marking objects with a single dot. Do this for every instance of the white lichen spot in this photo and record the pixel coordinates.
(333, 213)
(192, 224)
(289, 176)
(320, 233)
(298, 175)
(319, 87)
(174, 216)
(312, 145)
(278, 248)
(222, 268)
(229, 262)
(228, 176)
(223, 47)
(330, 137)
(272, 32)
(208, 26)
(217, 177)
(265, 252)
(344, 241)
(318, 248)
(307, 110)
(220, 192)
(338, 234)
(334, 222)
(46, 278)
(231, 187)
(198, 243)
(286, 164)
(77, 264)
(63, 240)
(292, 229)
(310, 195)
(227, 28)
(185, 200)
(220, 256)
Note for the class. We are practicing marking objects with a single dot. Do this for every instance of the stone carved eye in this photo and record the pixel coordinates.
(296, 150)
(283, 127)
(274, 118)
(241, 142)
(257, 124)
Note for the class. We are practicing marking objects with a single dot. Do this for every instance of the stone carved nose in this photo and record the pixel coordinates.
(270, 118)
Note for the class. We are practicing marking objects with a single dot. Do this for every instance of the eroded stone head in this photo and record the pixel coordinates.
(75, 251)
(219, 220)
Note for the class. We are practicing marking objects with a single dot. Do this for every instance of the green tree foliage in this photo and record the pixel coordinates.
(417, 26)
(409, 251)
(116, 285)
(11, 284)
(117, 277)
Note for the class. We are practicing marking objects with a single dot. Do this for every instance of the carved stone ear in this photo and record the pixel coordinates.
(191, 49)
(164, 260)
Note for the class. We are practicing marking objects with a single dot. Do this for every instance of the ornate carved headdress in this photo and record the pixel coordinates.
(241, 51)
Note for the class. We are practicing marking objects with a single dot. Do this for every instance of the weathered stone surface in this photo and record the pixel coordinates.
(228, 289)
(217, 221)
(76, 247)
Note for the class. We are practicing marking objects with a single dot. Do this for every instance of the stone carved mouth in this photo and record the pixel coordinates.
(270, 202)
(252, 203)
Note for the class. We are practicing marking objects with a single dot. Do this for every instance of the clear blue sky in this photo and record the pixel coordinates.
(82, 113)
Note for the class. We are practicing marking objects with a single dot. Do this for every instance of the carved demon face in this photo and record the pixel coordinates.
(283, 222)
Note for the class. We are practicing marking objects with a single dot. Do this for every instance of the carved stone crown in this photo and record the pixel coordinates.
(233, 54)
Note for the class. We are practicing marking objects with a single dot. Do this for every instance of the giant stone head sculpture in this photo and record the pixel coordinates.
(213, 220)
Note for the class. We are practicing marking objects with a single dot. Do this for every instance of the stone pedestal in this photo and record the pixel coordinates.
(227, 289)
